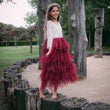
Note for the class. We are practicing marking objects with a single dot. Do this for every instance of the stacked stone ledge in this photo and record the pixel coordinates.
(21, 97)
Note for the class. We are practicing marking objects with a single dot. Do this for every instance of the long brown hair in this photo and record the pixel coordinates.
(49, 17)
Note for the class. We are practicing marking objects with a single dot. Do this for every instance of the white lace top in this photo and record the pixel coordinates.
(53, 31)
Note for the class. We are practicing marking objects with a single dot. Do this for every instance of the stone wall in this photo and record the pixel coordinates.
(20, 96)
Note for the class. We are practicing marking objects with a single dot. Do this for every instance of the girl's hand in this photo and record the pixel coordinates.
(48, 52)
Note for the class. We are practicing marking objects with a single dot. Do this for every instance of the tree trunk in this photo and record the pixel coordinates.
(77, 34)
(99, 24)
(15, 42)
(42, 7)
(30, 45)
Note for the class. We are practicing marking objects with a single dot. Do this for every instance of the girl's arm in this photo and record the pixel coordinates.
(49, 37)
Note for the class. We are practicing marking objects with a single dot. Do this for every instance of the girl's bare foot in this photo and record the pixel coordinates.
(42, 94)
(53, 96)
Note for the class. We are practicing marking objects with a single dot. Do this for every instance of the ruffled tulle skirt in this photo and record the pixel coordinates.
(57, 67)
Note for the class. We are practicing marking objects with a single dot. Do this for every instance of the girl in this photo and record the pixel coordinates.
(57, 66)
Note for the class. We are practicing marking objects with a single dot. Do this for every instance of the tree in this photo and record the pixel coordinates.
(9, 32)
(77, 35)
(31, 34)
(99, 24)
(31, 19)
(42, 8)
(33, 3)
(1, 1)
(6, 32)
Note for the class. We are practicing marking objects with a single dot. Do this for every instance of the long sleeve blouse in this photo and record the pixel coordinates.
(53, 31)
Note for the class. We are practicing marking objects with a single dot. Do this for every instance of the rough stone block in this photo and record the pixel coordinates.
(35, 59)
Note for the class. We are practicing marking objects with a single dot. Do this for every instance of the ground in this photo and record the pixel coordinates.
(95, 88)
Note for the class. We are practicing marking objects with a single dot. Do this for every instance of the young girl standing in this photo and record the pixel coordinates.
(57, 66)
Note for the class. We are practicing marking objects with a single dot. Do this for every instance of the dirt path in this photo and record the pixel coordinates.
(95, 88)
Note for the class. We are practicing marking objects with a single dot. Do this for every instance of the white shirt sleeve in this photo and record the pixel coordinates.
(49, 34)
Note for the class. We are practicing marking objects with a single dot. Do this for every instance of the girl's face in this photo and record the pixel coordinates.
(55, 13)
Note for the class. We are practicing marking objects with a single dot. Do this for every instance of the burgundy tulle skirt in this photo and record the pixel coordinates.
(57, 67)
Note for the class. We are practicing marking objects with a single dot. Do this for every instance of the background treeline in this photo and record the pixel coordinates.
(13, 36)
(17, 33)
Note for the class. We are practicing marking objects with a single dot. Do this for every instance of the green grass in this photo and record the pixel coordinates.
(11, 54)
(105, 50)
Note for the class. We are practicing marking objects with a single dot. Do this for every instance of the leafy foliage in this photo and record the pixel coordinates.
(33, 3)
(1, 1)
(9, 32)
(31, 19)
(6, 31)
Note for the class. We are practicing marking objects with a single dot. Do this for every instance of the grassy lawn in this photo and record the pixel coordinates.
(105, 50)
(11, 54)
